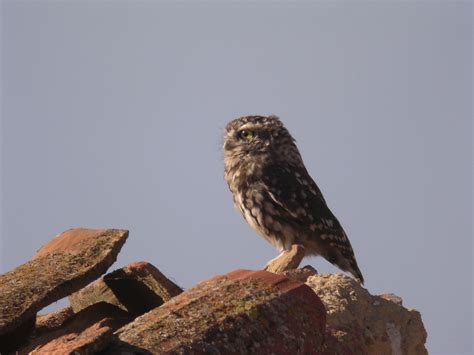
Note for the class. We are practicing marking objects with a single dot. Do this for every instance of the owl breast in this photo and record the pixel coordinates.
(252, 201)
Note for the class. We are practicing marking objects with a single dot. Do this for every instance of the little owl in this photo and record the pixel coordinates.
(274, 192)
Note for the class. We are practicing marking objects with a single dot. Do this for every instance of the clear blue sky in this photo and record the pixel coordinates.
(112, 116)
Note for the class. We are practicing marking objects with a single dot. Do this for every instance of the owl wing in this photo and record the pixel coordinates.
(301, 204)
(291, 188)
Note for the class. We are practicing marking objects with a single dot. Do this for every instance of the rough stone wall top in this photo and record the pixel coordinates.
(243, 311)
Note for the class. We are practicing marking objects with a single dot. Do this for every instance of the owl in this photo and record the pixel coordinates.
(275, 194)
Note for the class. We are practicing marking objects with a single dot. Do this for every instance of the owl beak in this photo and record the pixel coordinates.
(227, 146)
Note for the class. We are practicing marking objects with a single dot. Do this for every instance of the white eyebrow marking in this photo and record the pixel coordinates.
(249, 126)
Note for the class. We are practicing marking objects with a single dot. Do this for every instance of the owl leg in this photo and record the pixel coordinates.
(274, 259)
(287, 260)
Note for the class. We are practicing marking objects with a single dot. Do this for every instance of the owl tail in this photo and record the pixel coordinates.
(355, 271)
(343, 257)
(346, 262)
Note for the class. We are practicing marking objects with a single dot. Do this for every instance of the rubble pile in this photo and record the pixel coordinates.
(138, 310)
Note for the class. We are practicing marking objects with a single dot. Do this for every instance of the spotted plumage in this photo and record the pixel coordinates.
(274, 192)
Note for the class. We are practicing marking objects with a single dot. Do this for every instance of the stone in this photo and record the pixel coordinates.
(86, 332)
(393, 298)
(136, 288)
(16, 337)
(369, 324)
(63, 266)
(243, 311)
(300, 274)
(52, 321)
(287, 260)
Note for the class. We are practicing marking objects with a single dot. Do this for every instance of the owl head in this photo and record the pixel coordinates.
(251, 135)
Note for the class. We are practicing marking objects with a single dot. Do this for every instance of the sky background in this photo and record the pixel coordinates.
(112, 116)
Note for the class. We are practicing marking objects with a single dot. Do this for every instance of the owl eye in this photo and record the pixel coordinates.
(246, 135)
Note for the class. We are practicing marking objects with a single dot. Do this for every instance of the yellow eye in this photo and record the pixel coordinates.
(246, 135)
